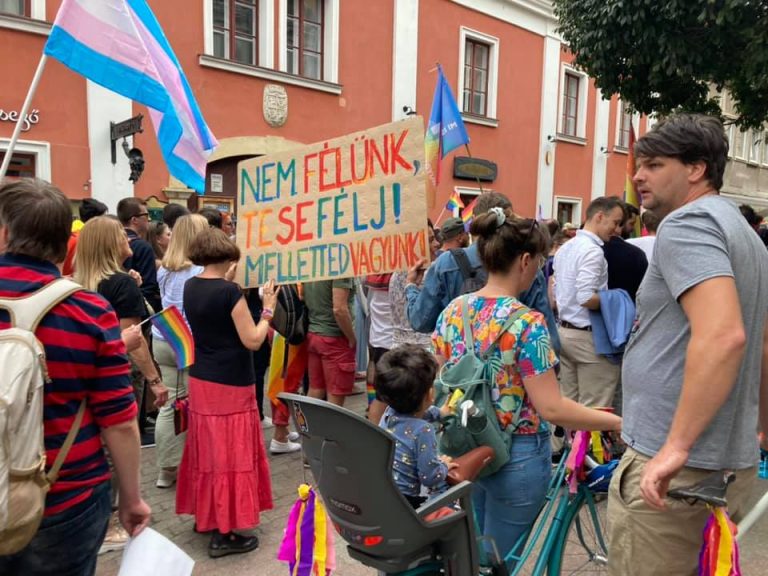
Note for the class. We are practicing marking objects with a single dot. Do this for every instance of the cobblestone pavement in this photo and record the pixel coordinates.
(287, 474)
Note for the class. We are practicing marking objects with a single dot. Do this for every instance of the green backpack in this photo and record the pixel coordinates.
(475, 376)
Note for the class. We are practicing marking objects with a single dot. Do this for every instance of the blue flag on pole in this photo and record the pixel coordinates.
(445, 131)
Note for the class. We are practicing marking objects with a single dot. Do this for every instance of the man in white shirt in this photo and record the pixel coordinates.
(645, 243)
(580, 272)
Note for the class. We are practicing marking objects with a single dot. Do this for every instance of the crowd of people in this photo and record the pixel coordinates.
(685, 391)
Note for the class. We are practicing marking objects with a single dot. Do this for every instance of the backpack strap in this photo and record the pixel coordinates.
(463, 262)
(469, 339)
(27, 311)
(53, 474)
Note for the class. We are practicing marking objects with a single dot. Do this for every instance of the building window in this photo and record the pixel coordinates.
(568, 210)
(235, 26)
(570, 121)
(477, 57)
(478, 76)
(765, 148)
(755, 143)
(16, 7)
(21, 166)
(305, 31)
(739, 141)
(625, 123)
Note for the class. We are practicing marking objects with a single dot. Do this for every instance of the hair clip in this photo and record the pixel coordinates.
(501, 217)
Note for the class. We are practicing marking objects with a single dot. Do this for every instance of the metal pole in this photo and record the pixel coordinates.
(477, 178)
(752, 516)
(22, 115)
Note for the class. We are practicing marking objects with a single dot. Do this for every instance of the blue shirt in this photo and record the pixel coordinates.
(416, 458)
(442, 283)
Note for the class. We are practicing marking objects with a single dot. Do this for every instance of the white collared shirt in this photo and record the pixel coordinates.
(580, 271)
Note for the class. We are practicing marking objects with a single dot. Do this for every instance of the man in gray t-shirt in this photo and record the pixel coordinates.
(692, 369)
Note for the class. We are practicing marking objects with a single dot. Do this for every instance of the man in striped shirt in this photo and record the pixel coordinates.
(86, 360)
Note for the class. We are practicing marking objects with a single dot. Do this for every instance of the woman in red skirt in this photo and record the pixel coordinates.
(224, 474)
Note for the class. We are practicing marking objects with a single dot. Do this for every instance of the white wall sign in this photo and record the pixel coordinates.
(13, 116)
(217, 183)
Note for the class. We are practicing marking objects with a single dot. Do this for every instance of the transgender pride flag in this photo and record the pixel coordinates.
(120, 45)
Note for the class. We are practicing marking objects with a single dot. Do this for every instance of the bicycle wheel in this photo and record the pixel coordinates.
(582, 548)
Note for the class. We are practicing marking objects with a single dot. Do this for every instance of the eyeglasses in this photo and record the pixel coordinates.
(142, 214)
(534, 224)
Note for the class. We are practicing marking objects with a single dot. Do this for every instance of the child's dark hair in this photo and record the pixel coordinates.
(499, 245)
(404, 376)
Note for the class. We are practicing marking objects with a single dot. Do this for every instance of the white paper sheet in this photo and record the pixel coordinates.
(151, 553)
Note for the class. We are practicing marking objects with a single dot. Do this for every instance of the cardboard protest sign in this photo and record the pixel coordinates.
(350, 206)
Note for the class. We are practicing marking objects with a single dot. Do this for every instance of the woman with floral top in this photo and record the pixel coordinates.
(512, 249)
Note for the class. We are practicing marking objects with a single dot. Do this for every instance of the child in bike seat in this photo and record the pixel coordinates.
(404, 378)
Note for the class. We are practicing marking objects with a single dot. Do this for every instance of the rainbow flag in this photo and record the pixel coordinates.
(454, 202)
(630, 195)
(175, 331)
(719, 554)
(120, 45)
(445, 131)
(468, 213)
(308, 540)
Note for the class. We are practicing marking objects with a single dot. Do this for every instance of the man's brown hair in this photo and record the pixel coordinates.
(38, 218)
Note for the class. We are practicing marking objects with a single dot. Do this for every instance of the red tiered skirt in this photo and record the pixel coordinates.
(224, 477)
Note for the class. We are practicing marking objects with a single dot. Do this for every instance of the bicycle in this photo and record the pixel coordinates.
(568, 535)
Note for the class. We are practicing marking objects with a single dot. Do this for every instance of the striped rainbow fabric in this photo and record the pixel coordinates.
(119, 44)
(175, 331)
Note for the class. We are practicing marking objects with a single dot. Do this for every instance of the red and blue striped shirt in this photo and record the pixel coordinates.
(86, 359)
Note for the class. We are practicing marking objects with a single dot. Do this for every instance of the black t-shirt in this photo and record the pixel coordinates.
(219, 353)
(122, 292)
(626, 265)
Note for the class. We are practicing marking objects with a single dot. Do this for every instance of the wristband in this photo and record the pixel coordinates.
(267, 314)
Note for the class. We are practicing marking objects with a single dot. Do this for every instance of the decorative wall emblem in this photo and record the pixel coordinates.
(275, 105)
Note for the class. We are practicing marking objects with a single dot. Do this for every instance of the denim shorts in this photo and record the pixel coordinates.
(67, 543)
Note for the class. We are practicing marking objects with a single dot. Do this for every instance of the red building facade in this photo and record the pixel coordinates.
(272, 74)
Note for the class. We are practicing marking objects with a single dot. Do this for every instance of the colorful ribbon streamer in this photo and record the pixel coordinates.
(308, 543)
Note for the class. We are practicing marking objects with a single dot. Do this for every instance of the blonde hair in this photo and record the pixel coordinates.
(98, 254)
(186, 229)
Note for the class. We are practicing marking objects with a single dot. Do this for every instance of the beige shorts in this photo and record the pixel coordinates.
(648, 542)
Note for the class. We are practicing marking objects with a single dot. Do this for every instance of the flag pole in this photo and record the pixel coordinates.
(476, 177)
(439, 217)
(22, 115)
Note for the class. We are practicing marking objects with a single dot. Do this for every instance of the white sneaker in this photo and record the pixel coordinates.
(166, 478)
(293, 436)
(266, 424)
(286, 447)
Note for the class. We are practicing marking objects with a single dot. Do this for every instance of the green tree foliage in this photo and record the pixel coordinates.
(663, 55)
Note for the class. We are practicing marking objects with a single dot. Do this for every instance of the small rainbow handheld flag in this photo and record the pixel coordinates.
(175, 331)
(468, 213)
(454, 202)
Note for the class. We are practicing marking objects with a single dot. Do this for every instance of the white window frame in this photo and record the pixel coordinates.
(635, 123)
(574, 201)
(490, 119)
(581, 120)
(739, 154)
(36, 23)
(330, 41)
(265, 32)
(764, 146)
(731, 139)
(753, 159)
(41, 151)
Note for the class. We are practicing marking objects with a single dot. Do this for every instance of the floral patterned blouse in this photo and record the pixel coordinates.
(523, 351)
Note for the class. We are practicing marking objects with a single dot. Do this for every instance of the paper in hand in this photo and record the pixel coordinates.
(151, 553)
